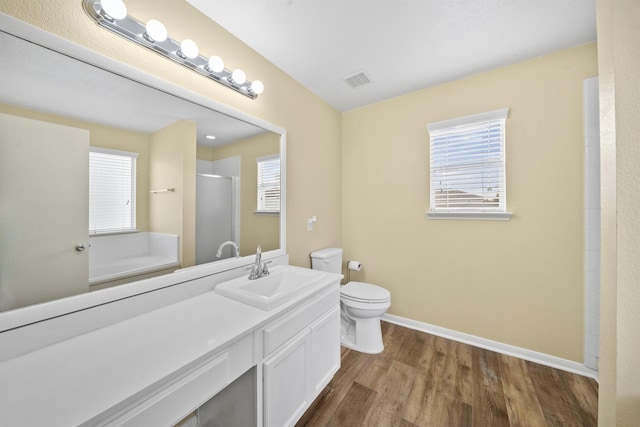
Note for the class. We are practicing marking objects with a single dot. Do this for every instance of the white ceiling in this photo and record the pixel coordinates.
(402, 45)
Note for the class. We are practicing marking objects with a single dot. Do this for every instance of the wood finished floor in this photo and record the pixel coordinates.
(424, 380)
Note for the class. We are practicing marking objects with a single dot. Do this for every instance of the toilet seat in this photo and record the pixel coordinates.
(361, 292)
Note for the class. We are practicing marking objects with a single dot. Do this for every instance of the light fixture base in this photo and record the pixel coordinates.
(133, 30)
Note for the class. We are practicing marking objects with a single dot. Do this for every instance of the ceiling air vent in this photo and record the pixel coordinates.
(356, 79)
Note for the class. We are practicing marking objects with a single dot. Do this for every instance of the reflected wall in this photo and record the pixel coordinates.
(173, 165)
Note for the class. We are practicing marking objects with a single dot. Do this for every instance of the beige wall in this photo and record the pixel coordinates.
(313, 127)
(518, 282)
(263, 230)
(619, 64)
(173, 165)
(104, 136)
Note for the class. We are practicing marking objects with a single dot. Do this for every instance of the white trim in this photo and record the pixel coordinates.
(509, 350)
(491, 216)
(283, 192)
(592, 215)
(113, 233)
(500, 114)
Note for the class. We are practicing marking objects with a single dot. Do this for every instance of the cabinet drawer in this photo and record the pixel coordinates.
(289, 325)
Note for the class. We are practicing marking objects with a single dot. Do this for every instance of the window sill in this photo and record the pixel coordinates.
(473, 216)
(272, 213)
(111, 233)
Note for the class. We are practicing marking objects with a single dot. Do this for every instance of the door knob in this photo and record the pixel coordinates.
(80, 247)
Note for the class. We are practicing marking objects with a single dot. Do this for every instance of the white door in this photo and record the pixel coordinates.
(44, 199)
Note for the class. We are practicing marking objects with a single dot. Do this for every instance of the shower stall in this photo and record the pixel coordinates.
(217, 208)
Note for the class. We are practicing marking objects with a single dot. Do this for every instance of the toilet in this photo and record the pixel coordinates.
(361, 305)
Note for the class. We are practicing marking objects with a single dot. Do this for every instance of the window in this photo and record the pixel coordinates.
(468, 167)
(268, 184)
(112, 191)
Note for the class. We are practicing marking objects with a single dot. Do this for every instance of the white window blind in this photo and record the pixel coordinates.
(268, 184)
(112, 190)
(467, 160)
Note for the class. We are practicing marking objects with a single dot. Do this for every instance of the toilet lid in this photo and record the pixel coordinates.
(360, 291)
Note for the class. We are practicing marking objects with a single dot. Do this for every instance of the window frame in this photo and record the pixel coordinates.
(259, 185)
(463, 123)
(93, 231)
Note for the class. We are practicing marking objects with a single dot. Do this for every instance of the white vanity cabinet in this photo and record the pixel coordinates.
(158, 367)
(301, 354)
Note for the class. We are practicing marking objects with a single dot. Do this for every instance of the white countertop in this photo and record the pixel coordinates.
(72, 381)
(77, 379)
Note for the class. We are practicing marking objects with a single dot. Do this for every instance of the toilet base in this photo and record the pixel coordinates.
(364, 335)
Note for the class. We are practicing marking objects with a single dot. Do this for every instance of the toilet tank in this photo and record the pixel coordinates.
(327, 259)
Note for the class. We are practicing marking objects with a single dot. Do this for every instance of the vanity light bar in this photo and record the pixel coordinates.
(153, 35)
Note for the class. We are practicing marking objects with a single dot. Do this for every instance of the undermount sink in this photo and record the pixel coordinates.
(283, 283)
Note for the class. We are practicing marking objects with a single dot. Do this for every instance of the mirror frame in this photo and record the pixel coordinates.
(17, 318)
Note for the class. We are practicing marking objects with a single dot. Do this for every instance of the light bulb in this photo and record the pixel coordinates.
(257, 87)
(215, 64)
(188, 49)
(238, 76)
(155, 31)
(116, 9)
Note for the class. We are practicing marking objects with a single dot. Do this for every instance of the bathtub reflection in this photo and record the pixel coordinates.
(122, 258)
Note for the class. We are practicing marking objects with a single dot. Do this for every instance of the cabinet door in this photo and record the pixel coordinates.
(286, 383)
(325, 349)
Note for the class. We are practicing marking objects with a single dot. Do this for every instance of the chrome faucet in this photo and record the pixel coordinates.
(259, 269)
(227, 243)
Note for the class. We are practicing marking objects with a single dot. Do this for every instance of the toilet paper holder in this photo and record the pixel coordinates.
(352, 266)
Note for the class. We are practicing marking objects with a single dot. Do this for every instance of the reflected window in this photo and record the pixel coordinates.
(112, 191)
(268, 184)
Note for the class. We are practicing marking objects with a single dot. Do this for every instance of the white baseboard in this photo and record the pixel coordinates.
(498, 347)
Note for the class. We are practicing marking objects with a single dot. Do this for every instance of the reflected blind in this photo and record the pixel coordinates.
(112, 190)
(268, 184)
(467, 160)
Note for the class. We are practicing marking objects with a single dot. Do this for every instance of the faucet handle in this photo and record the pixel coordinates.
(255, 272)
(265, 269)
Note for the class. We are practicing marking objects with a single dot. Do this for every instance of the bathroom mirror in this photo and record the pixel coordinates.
(191, 193)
